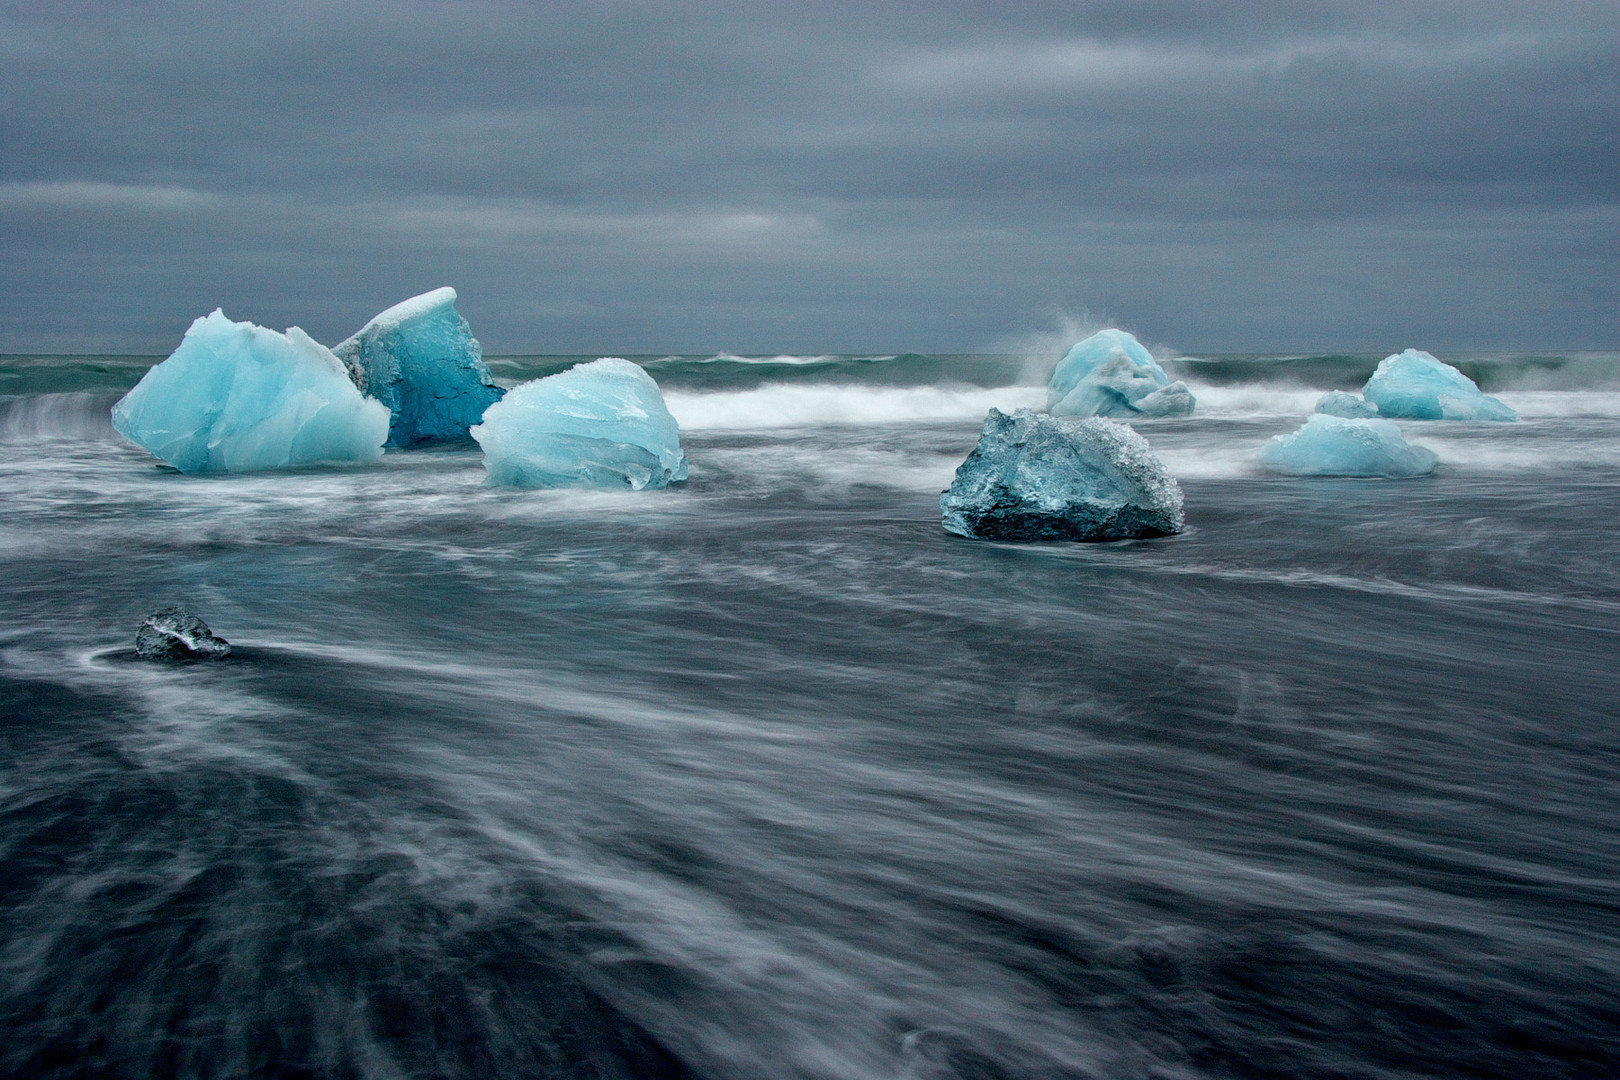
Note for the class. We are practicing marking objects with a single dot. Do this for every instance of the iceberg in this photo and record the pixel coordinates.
(1328, 445)
(1348, 406)
(1110, 373)
(601, 424)
(235, 397)
(1039, 477)
(1415, 386)
(420, 359)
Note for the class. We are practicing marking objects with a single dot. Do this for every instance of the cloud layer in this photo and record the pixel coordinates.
(648, 178)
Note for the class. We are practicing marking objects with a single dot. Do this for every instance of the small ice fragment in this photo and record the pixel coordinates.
(601, 424)
(1415, 386)
(175, 634)
(1349, 406)
(420, 359)
(235, 397)
(1110, 373)
(1328, 445)
(1039, 477)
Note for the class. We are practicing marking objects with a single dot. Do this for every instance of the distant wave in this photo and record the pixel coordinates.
(80, 414)
(789, 361)
(1494, 372)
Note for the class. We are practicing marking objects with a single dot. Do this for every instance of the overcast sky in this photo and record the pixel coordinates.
(1217, 176)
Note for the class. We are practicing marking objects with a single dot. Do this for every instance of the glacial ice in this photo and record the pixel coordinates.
(1038, 477)
(1415, 386)
(1327, 445)
(1348, 406)
(420, 359)
(1110, 373)
(176, 634)
(601, 424)
(235, 397)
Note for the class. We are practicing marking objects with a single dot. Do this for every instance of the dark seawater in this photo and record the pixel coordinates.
(768, 776)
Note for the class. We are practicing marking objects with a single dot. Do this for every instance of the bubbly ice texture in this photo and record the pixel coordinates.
(1327, 445)
(1110, 373)
(235, 397)
(175, 634)
(602, 424)
(1413, 385)
(420, 359)
(1039, 477)
(1349, 406)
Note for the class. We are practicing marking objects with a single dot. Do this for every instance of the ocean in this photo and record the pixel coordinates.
(766, 775)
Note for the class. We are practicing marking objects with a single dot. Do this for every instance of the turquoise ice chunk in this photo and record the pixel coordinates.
(1338, 446)
(1039, 477)
(1349, 406)
(1415, 386)
(420, 359)
(235, 397)
(603, 424)
(1110, 373)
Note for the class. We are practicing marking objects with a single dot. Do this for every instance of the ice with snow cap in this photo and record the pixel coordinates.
(1110, 373)
(603, 424)
(420, 359)
(1327, 445)
(1039, 477)
(1413, 385)
(235, 397)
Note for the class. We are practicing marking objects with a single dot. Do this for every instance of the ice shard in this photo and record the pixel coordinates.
(602, 424)
(420, 359)
(1413, 385)
(235, 397)
(1328, 445)
(1110, 373)
(176, 634)
(1348, 406)
(1039, 477)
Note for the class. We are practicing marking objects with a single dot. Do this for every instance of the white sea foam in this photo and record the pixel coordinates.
(1556, 403)
(1511, 456)
(1253, 399)
(1222, 462)
(831, 471)
(81, 414)
(815, 405)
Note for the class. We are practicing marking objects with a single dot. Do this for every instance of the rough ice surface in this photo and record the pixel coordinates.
(175, 634)
(602, 424)
(235, 397)
(1415, 386)
(1337, 446)
(1039, 477)
(1349, 406)
(1110, 373)
(420, 359)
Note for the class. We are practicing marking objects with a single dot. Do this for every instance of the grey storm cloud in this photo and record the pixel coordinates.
(652, 177)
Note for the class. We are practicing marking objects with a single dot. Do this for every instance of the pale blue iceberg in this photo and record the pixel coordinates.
(1349, 406)
(236, 397)
(1336, 446)
(420, 359)
(1110, 373)
(1039, 477)
(1415, 386)
(602, 424)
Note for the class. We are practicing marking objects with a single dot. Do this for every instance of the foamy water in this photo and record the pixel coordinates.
(769, 407)
(765, 775)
